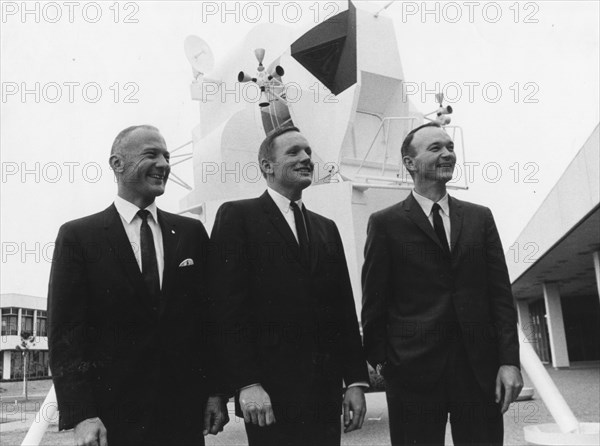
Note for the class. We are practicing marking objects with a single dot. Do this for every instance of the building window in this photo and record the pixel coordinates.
(9, 321)
(27, 321)
(41, 329)
(37, 364)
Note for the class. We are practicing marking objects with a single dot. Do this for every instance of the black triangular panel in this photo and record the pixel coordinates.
(328, 51)
(323, 60)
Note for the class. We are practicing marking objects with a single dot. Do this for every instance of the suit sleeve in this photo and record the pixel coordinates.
(67, 336)
(205, 357)
(355, 367)
(376, 288)
(230, 300)
(503, 310)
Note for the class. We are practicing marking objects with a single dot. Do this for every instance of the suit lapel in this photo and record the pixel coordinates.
(416, 214)
(456, 218)
(275, 216)
(121, 250)
(171, 239)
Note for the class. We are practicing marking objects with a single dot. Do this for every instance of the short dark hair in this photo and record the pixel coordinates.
(266, 147)
(123, 134)
(406, 144)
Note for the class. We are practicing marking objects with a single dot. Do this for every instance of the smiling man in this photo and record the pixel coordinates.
(284, 308)
(438, 316)
(127, 285)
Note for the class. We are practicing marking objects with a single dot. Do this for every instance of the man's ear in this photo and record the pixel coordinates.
(409, 163)
(117, 163)
(266, 166)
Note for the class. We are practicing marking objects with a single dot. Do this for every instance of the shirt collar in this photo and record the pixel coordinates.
(283, 203)
(426, 204)
(128, 210)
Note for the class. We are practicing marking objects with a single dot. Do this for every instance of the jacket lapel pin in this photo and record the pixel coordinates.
(186, 262)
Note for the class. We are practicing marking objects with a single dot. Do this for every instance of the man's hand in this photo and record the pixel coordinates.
(215, 415)
(90, 432)
(355, 408)
(256, 406)
(509, 383)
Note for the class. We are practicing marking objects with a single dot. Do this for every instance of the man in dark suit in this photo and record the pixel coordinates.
(438, 315)
(127, 306)
(284, 308)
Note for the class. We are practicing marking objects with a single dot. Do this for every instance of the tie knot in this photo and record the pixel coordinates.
(143, 214)
(436, 208)
(295, 206)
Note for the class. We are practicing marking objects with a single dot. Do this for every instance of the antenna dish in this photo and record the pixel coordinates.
(199, 54)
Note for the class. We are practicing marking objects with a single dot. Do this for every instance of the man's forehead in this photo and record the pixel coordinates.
(144, 135)
(429, 135)
(291, 138)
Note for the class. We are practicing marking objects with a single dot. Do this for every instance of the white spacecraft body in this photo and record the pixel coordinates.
(355, 134)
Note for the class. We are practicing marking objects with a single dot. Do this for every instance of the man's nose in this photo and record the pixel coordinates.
(305, 156)
(447, 153)
(163, 161)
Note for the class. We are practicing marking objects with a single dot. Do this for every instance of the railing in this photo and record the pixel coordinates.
(399, 181)
(382, 126)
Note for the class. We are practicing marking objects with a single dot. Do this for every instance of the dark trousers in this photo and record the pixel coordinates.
(315, 424)
(418, 416)
(165, 424)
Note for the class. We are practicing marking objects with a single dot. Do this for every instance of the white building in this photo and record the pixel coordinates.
(27, 316)
(554, 265)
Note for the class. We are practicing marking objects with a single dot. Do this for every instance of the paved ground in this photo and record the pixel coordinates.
(579, 385)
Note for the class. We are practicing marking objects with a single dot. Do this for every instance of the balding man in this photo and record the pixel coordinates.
(438, 315)
(126, 304)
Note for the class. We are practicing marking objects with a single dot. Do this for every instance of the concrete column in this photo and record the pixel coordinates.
(6, 364)
(19, 325)
(597, 269)
(525, 319)
(556, 326)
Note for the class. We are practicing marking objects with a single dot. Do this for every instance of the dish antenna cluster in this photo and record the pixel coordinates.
(199, 55)
(269, 81)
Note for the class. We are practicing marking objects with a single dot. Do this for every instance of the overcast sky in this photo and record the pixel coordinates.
(523, 79)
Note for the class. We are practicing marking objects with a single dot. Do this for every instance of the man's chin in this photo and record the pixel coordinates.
(305, 181)
(445, 175)
(157, 191)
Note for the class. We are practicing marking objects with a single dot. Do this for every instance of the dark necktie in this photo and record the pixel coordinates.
(149, 262)
(302, 233)
(438, 226)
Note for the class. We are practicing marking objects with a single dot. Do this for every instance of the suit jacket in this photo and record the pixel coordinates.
(290, 327)
(112, 353)
(414, 294)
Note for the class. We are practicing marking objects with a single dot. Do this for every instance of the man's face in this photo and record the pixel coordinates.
(146, 164)
(291, 164)
(432, 158)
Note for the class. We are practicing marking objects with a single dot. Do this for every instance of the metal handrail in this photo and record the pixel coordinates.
(382, 126)
(398, 179)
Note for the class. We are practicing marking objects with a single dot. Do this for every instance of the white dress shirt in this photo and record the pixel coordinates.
(132, 223)
(283, 203)
(427, 205)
